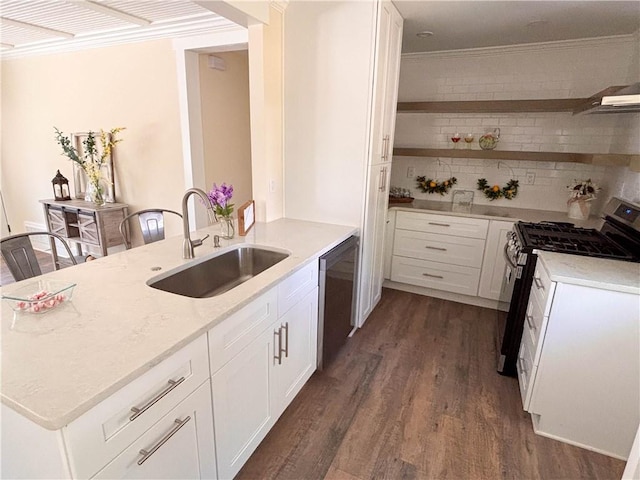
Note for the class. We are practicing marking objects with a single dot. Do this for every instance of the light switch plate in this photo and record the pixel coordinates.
(411, 172)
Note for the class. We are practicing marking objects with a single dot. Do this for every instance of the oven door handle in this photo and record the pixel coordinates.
(507, 257)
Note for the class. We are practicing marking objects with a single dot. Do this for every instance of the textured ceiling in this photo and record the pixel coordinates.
(472, 24)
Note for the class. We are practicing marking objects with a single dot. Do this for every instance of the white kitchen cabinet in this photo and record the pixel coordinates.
(389, 232)
(254, 386)
(339, 122)
(241, 403)
(385, 94)
(298, 353)
(438, 251)
(372, 246)
(179, 446)
(99, 436)
(494, 263)
(579, 372)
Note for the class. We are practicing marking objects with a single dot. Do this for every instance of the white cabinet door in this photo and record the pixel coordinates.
(180, 445)
(372, 241)
(241, 403)
(494, 264)
(298, 341)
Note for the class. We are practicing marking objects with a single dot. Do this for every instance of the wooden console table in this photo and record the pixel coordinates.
(85, 223)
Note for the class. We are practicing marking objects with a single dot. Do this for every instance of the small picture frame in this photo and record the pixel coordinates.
(246, 217)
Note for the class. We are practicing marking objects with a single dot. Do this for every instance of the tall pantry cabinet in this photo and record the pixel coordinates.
(341, 69)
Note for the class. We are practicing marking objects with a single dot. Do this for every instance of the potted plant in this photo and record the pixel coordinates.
(581, 194)
(220, 198)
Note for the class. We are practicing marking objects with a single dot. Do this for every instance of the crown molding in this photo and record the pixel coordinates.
(279, 5)
(630, 39)
(209, 25)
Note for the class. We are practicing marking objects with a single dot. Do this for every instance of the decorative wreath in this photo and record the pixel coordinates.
(430, 185)
(509, 192)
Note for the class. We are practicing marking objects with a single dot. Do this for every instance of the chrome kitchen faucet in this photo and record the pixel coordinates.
(187, 244)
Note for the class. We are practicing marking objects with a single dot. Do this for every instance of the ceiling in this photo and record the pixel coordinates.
(472, 24)
(42, 26)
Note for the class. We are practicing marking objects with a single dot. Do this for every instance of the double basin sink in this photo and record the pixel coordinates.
(214, 275)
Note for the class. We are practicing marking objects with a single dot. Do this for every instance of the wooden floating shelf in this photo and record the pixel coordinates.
(494, 106)
(608, 159)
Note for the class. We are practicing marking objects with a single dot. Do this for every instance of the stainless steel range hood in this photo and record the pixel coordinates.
(613, 100)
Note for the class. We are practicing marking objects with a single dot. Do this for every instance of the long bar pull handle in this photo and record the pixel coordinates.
(436, 248)
(530, 322)
(383, 179)
(286, 339)
(137, 411)
(521, 365)
(434, 276)
(439, 224)
(278, 356)
(538, 283)
(146, 454)
(385, 148)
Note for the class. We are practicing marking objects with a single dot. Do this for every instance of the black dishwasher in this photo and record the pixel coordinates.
(336, 299)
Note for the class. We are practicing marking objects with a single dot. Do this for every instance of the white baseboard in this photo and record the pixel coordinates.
(454, 297)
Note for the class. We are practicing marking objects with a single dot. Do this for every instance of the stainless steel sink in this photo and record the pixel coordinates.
(215, 275)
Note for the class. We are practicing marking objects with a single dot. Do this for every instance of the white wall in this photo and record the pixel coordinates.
(224, 95)
(557, 70)
(328, 69)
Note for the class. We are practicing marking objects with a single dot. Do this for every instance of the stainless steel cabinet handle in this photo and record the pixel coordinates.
(137, 411)
(538, 283)
(385, 148)
(286, 339)
(521, 365)
(278, 356)
(439, 224)
(146, 454)
(383, 179)
(434, 276)
(530, 322)
(436, 248)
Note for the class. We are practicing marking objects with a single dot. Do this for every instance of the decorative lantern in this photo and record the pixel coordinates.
(60, 187)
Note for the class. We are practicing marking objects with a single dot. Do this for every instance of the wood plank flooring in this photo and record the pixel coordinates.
(415, 395)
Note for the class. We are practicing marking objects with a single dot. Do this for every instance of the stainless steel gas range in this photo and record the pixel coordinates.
(618, 239)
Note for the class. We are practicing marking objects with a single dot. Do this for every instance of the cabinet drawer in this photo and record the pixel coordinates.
(441, 276)
(88, 228)
(439, 248)
(294, 288)
(430, 223)
(542, 288)
(526, 373)
(179, 445)
(533, 324)
(230, 336)
(103, 432)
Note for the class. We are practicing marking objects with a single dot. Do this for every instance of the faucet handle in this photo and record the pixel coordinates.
(198, 241)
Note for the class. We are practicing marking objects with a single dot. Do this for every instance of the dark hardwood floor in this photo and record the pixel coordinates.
(415, 394)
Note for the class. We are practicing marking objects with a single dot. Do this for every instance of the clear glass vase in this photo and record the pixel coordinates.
(96, 192)
(227, 230)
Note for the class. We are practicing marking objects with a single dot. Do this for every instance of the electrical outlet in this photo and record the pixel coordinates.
(411, 172)
(531, 178)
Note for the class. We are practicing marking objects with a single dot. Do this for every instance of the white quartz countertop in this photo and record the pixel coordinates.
(601, 273)
(494, 212)
(58, 365)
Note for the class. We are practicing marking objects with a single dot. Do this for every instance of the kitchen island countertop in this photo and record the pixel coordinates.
(601, 273)
(59, 365)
